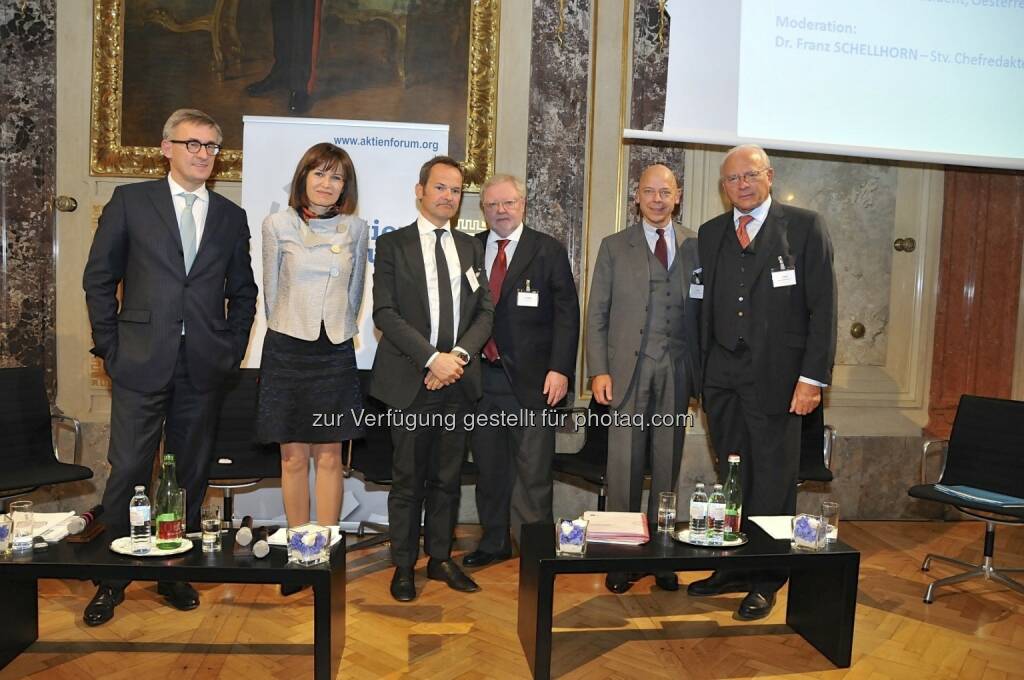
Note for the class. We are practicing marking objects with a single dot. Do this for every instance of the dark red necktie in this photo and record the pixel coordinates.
(741, 231)
(661, 248)
(498, 271)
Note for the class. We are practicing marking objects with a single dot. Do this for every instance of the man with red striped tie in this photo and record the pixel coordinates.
(527, 367)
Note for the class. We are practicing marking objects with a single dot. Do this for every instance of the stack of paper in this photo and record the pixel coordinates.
(623, 528)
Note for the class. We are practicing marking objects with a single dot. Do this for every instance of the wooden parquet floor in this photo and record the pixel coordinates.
(248, 632)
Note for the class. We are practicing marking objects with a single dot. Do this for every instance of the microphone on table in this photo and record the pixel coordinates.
(261, 546)
(78, 523)
(243, 537)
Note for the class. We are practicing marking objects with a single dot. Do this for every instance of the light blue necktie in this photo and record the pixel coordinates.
(187, 226)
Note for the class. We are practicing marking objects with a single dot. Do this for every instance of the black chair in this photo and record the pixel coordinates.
(590, 463)
(371, 458)
(816, 444)
(985, 452)
(29, 455)
(239, 461)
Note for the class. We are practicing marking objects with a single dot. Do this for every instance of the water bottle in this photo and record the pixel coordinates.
(733, 499)
(138, 515)
(716, 515)
(698, 514)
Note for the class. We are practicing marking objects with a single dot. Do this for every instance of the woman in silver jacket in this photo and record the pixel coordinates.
(314, 263)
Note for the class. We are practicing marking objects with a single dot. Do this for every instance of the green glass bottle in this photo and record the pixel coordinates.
(170, 507)
(733, 499)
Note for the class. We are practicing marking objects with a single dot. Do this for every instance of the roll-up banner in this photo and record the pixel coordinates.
(387, 158)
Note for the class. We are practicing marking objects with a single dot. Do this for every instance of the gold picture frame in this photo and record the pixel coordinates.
(108, 156)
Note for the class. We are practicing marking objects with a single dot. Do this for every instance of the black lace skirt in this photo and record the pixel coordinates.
(309, 391)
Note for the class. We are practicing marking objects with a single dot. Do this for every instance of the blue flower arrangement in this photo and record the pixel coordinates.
(307, 544)
(808, 532)
(572, 536)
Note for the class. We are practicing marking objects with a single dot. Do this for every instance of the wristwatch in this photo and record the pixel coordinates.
(462, 355)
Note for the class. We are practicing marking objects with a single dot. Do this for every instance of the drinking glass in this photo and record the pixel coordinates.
(666, 511)
(830, 515)
(211, 528)
(22, 516)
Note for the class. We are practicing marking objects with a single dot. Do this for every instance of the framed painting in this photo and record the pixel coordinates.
(422, 61)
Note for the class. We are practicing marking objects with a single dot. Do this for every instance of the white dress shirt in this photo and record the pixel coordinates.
(451, 254)
(760, 213)
(491, 251)
(650, 231)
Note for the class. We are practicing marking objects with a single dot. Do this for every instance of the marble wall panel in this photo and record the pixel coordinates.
(557, 126)
(647, 99)
(857, 199)
(28, 155)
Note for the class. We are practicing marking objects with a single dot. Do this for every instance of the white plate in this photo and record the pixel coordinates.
(683, 536)
(123, 546)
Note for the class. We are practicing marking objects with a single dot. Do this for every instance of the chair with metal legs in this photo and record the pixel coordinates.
(983, 477)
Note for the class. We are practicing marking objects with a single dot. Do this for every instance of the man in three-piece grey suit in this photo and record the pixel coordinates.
(179, 252)
(642, 349)
(768, 333)
(527, 367)
(432, 307)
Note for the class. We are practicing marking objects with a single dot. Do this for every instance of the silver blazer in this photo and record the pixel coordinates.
(314, 273)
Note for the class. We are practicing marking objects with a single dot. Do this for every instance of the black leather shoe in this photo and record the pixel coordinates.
(619, 582)
(101, 608)
(299, 101)
(756, 606)
(291, 588)
(480, 558)
(179, 595)
(449, 572)
(667, 580)
(268, 84)
(718, 583)
(403, 585)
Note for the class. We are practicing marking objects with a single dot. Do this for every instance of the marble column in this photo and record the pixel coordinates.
(557, 141)
(979, 280)
(28, 156)
(647, 102)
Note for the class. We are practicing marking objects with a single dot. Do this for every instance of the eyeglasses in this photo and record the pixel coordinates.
(663, 194)
(748, 177)
(507, 205)
(193, 146)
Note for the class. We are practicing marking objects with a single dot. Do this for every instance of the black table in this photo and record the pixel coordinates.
(822, 585)
(19, 586)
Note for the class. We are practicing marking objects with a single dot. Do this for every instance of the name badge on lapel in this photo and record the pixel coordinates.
(697, 284)
(527, 297)
(783, 276)
(474, 283)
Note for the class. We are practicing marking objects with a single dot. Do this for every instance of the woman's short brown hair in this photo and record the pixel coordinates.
(331, 157)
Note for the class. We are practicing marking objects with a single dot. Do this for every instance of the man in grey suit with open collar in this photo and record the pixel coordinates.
(432, 306)
(768, 331)
(178, 251)
(642, 349)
